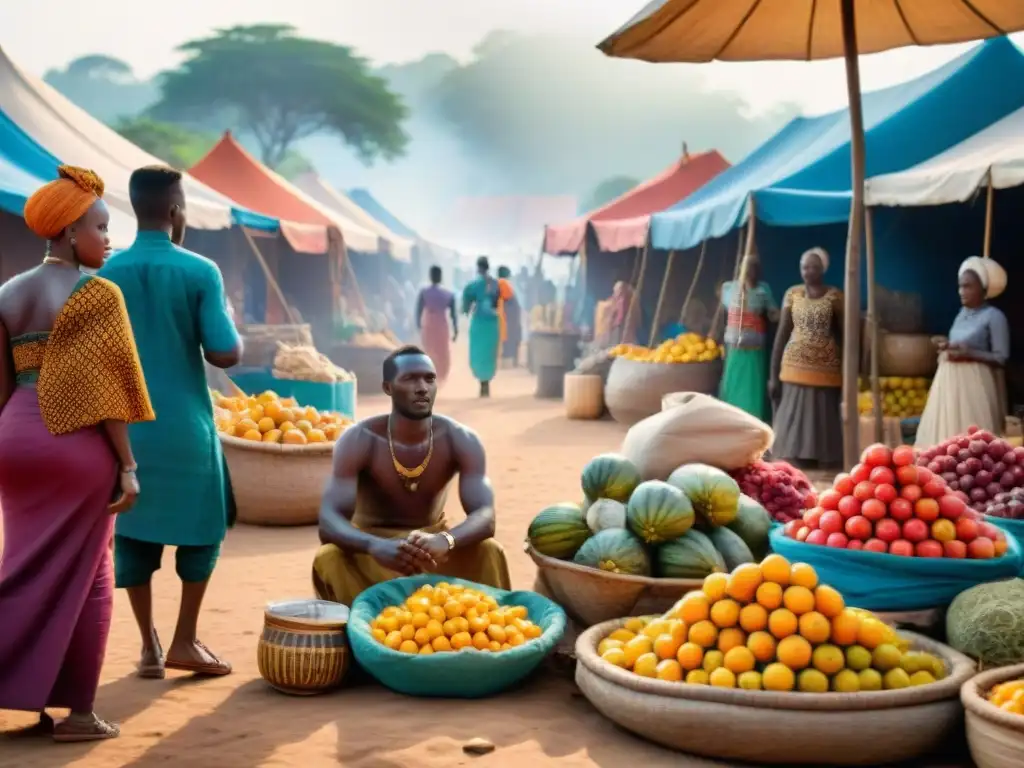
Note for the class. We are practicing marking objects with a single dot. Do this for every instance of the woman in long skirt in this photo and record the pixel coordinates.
(969, 388)
(511, 312)
(481, 298)
(70, 382)
(806, 379)
(434, 305)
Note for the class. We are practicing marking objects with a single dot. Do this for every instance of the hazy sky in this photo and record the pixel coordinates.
(41, 34)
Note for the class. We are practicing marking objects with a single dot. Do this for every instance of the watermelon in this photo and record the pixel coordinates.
(605, 513)
(659, 512)
(559, 530)
(732, 548)
(752, 524)
(615, 550)
(692, 556)
(714, 495)
(610, 476)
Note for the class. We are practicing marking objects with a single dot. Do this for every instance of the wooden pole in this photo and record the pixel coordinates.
(636, 292)
(851, 314)
(986, 249)
(661, 298)
(271, 280)
(693, 283)
(876, 387)
(744, 248)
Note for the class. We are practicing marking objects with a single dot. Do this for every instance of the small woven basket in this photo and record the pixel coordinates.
(996, 738)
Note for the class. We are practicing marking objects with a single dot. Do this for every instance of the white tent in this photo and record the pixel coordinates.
(992, 157)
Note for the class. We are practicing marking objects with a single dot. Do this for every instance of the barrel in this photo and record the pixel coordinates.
(303, 649)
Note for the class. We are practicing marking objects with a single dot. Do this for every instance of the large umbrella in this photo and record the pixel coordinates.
(806, 30)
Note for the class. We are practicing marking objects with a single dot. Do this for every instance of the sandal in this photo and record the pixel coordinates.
(215, 668)
(152, 670)
(73, 731)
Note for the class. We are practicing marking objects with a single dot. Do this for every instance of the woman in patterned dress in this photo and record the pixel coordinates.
(806, 382)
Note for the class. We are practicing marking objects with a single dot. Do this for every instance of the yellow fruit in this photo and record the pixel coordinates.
(697, 677)
(799, 600)
(666, 646)
(286, 425)
(245, 425)
(379, 635)
(722, 678)
(743, 582)
(794, 652)
(409, 646)
(293, 437)
(494, 632)
(646, 665)
(812, 681)
(769, 595)
(886, 657)
(775, 569)
(762, 645)
(622, 634)
(739, 660)
(921, 678)
(828, 659)
(266, 424)
(803, 575)
(845, 628)
(703, 633)
(725, 613)
(303, 425)
(253, 434)
(749, 681)
(858, 658)
(870, 680)
(655, 628)
(895, 678)
(846, 681)
(615, 656)
(782, 623)
(690, 656)
(603, 646)
(827, 601)
(731, 638)
(713, 660)
(815, 627)
(316, 436)
(461, 640)
(636, 648)
(716, 586)
(694, 607)
(635, 624)
(481, 641)
(753, 617)
(426, 650)
(422, 637)
(778, 677)
(872, 633)
(669, 669)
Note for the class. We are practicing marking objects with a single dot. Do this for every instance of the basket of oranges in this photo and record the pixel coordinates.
(278, 454)
(431, 635)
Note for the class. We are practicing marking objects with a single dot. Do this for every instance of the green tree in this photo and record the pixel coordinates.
(281, 88)
(608, 190)
(103, 86)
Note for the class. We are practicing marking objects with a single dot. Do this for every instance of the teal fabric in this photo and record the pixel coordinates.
(1014, 528)
(339, 396)
(466, 674)
(136, 561)
(176, 303)
(345, 397)
(881, 582)
(480, 296)
(745, 381)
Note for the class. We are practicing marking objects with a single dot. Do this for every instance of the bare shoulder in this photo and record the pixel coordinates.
(464, 441)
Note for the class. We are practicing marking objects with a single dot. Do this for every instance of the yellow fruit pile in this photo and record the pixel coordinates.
(1009, 696)
(269, 418)
(902, 397)
(684, 348)
(450, 617)
(769, 627)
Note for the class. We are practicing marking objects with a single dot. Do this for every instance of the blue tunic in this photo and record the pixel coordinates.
(176, 302)
(481, 298)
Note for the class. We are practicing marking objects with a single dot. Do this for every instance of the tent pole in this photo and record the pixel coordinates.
(693, 283)
(661, 298)
(270, 277)
(851, 313)
(989, 205)
(744, 248)
(876, 387)
(636, 293)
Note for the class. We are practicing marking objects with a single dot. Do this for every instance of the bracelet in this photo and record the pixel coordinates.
(450, 539)
(129, 470)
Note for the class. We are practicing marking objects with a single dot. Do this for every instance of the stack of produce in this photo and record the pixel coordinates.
(1007, 506)
(1008, 696)
(902, 397)
(684, 348)
(770, 627)
(783, 489)
(549, 318)
(978, 464)
(889, 504)
(986, 622)
(304, 363)
(269, 418)
(450, 617)
(695, 524)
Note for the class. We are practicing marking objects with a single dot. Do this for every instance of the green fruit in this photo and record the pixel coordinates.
(752, 524)
(886, 657)
(610, 476)
(615, 550)
(691, 556)
(559, 530)
(846, 681)
(659, 512)
(913, 661)
(734, 550)
(812, 681)
(858, 658)
(714, 494)
(922, 678)
(895, 678)
(870, 680)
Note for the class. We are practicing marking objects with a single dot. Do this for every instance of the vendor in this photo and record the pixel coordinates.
(383, 509)
(806, 382)
(969, 387)
(511, 317)
(750, 307)
(622, 300)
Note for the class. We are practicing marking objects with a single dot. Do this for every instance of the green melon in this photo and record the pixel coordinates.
(692, 556)
(714, 495)
(559, 530)
(610, 476)
(659, 512)
(752, 524)
(732, 548)
(615, 550)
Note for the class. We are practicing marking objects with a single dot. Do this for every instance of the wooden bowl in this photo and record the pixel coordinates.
(304, 650)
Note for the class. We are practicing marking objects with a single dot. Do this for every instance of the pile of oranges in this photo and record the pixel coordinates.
(447, 617)
(769, 627)
(269, 418)
(685, 348)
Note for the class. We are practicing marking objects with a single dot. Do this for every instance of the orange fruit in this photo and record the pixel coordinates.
(622, 634)
(762, 645)
(481, 642)
(272, 436)
(778, 677)
(828, 659)
(782, 623)
(254, 435)
(286, 425)
(678, 629)
(426, 650)
(845, 627)
(409, 646)
(815, 628)
(646, 665)
(303, 425)
(703, 633)
(636, 648)
(690, 656)
(713, 660)
(666, 646)
(803, 575)
(408, 631)
(655, 628)
(532, 631)
(799, 600)
(266, 424)
(453, 609)
(725, 613)
(379, 635)
(669, 669)
(730, 638)
(498, 633)
(293, 437)
(753, 617)
(422, 637)
(461, 640)
(245, 425)
(393, 640)
(316, 436)
(739, 660)
(716, 586)
(696, 677)
(694, 607)
(794, 651)
(775, 568)
(743, 582)
(769, 595)
(722, 678)
(872, 633)
(450, 627)
(828, 601)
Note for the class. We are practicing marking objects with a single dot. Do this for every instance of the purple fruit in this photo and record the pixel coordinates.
(992, 489)
(966, 482)
(954, 485)
(996, 510)
(1009, 458)
(949, 477)
(952, 450)
(974, 465)
(1006, 480)
(1018, 474)
(979, 495)
(962, 469)
(977, 447)
(997, 448)
(963, 454)
(935, 467)
(963, 441)
(998, 468)
(987, 462)
(982, 477)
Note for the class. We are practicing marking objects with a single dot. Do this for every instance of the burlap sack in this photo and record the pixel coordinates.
(996, 738)
(695, 428)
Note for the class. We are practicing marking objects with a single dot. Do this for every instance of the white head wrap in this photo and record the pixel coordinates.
(822, 255)
(990, 273)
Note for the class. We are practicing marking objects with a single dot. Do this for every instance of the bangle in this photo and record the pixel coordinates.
(129, 470)
(450, 539)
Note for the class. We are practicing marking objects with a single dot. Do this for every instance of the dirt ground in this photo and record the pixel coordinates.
(534, 458)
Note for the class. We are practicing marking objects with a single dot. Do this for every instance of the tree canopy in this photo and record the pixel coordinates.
(281, 88)
(103, 86)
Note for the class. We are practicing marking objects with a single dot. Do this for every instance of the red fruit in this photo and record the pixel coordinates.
(829, 499)
(982, 548)
(859, 527)
(907, 475)
(848, 507)
(790, 528)
(928, 548)
(881, 475)
(843, 484)
(885, 493)
(864, 490)
(873, 510)
(860, 473)
(966, 528)
(903, 456)
(810, 500)
(935, 488)
(915, 530)
(855, 544)
(944, 530)
(837, 541)
(924, 475)
(901, 547)
(1000, 547)
(910, 492)
(830, 522)
(951, 506)
(955, 549)
(802, 533)
(887, 530)
(877, 455)
(901, 510)
(927, 510)
(813, 518)
(988, 531)
(876, 545)
(817, 537)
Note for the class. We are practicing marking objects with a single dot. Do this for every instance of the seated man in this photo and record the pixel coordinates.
(383, 510)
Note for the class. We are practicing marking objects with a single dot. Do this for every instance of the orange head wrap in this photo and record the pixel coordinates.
(57, 205)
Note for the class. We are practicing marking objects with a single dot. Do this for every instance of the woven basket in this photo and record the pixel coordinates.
(996, 738)
(634, 390)
(871, 728)
(590, 596)
(277, 484)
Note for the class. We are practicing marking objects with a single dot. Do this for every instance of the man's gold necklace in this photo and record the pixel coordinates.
(410, 477)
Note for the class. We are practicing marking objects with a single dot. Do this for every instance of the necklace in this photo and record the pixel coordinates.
(410, 476)
(54, 260)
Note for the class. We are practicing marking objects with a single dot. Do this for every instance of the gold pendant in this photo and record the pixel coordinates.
(412, 486)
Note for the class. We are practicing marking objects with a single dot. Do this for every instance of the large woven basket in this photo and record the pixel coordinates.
(871, 728)
(996, 738)
(277, 484)
(590, 595)
(634, 390)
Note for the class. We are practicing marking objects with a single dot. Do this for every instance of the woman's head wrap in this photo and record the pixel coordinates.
(822, 255)
(991, 275)
(57, 205)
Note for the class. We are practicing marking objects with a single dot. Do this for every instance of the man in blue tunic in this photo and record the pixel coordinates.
(179, 314)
